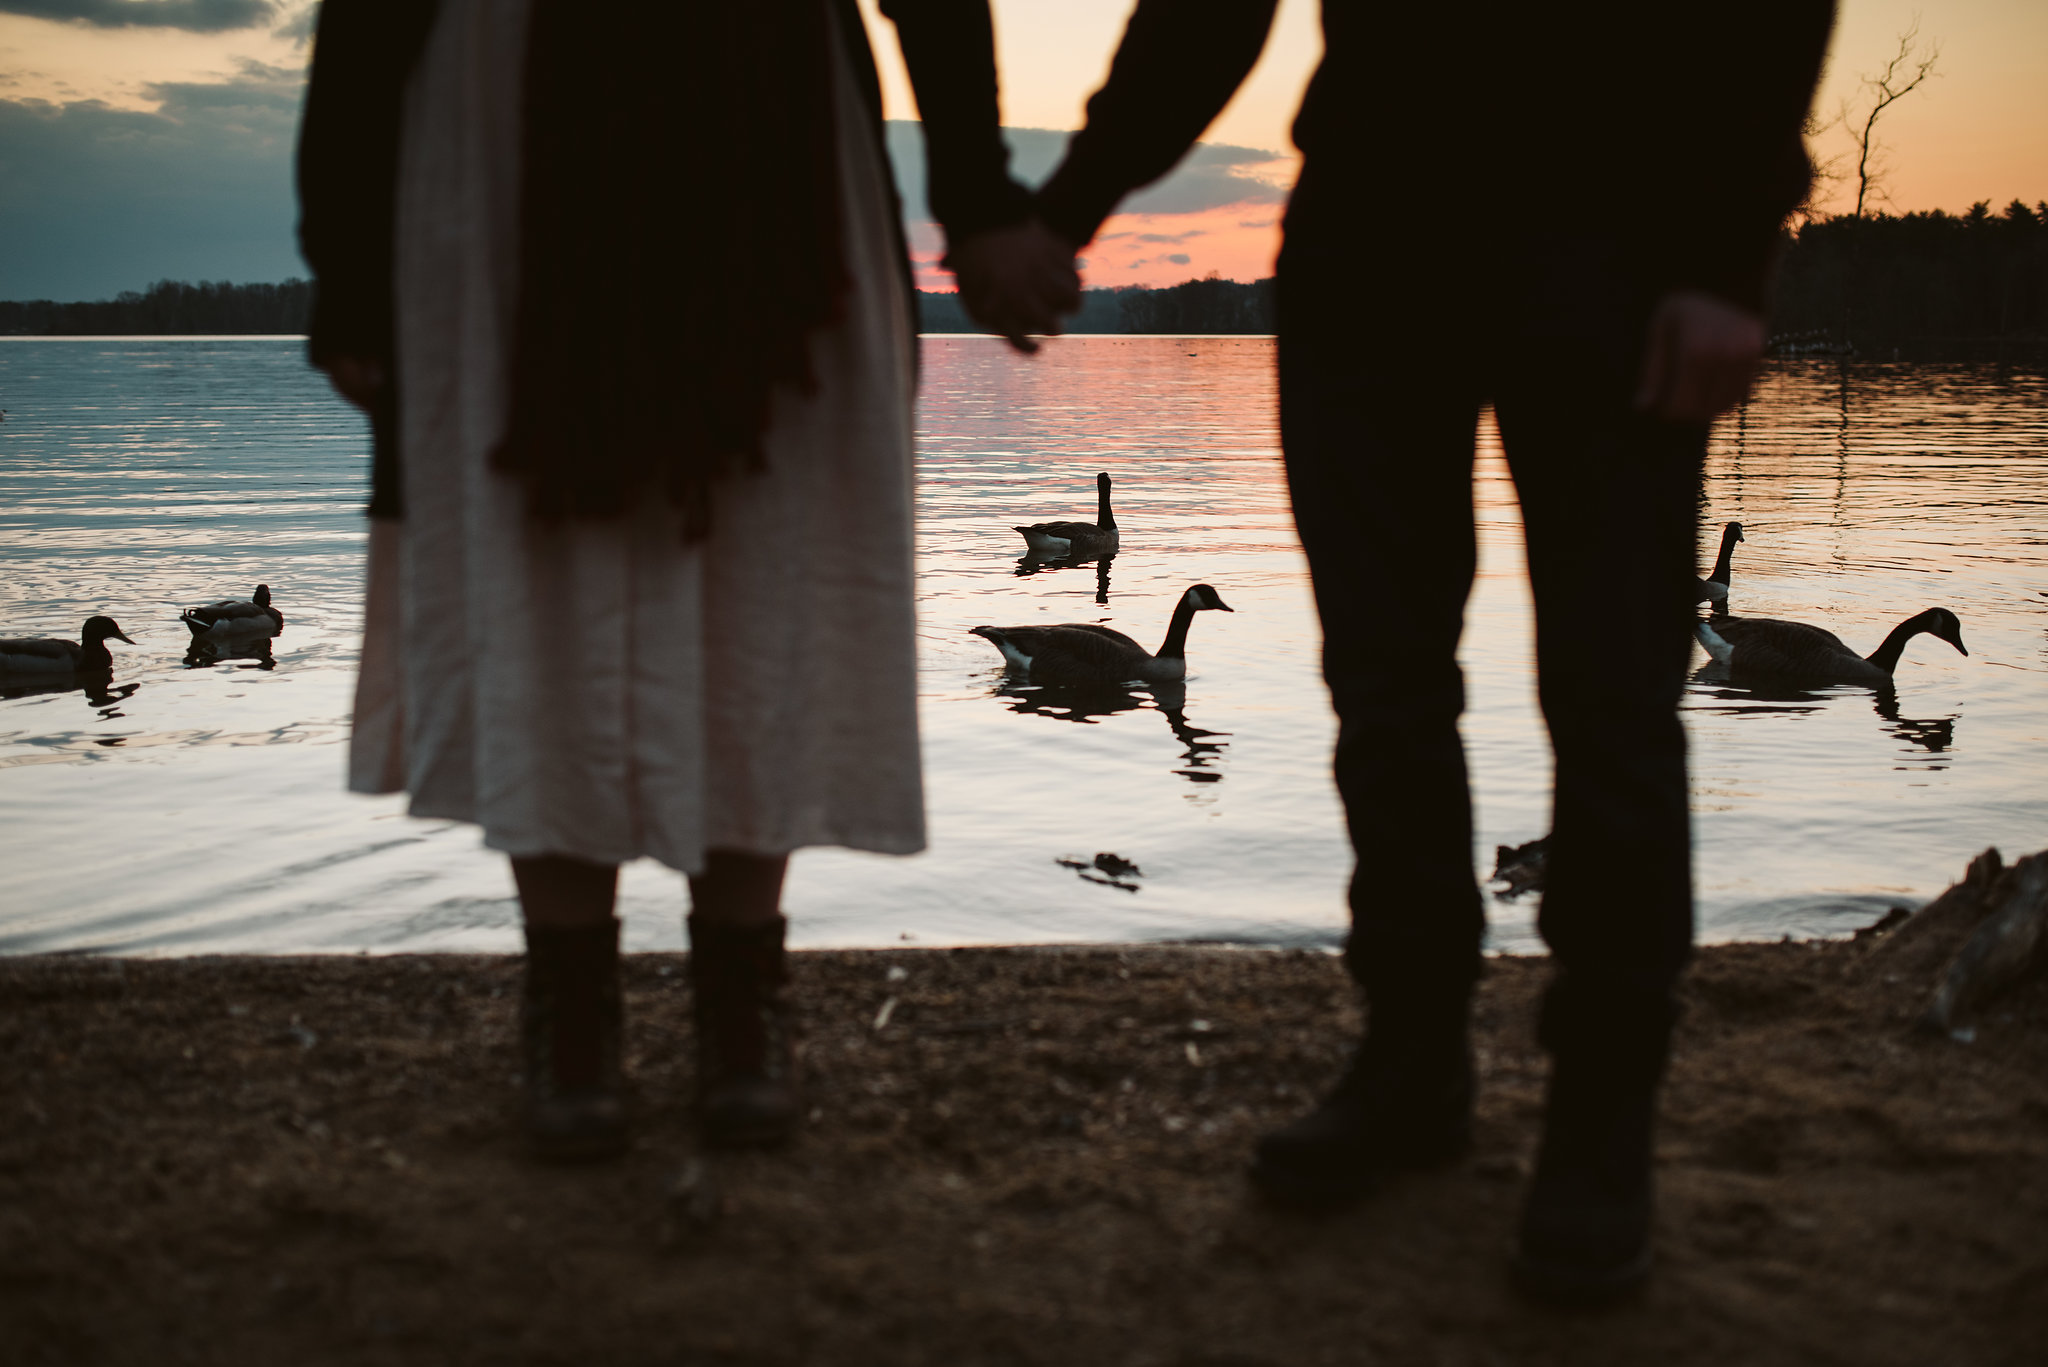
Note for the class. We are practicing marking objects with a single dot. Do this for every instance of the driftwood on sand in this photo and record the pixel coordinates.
(2003, 912)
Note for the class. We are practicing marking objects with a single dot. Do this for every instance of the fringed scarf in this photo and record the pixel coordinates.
(681, 243)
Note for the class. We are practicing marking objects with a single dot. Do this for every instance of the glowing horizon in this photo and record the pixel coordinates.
(212, 197)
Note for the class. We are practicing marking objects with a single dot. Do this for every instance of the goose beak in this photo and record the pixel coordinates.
(121, 635)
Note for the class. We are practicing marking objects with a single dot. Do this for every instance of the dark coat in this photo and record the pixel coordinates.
(1674, 128)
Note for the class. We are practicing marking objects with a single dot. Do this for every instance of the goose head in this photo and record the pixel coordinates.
(1202, 598)
(1732, 532)
(100, 629)
(1944, 624)
(261, 598)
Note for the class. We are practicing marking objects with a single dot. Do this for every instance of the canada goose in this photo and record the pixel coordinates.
(1714, 588)
(236, 616)
(53, 655)
(1079, 652)
(1077, 538)
(1793, 650)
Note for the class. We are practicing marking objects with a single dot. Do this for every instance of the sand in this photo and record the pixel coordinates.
(1037, 1159)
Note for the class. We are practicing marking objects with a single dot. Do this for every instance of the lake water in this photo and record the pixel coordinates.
(199, 809)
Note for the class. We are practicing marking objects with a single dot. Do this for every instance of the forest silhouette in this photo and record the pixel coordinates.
(1925, 286)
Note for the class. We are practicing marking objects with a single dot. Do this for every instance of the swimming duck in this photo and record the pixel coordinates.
(236, 616)
(1078, 538)
(1795, 651)
(1080, 652)
(1714, 588)
(54, 655)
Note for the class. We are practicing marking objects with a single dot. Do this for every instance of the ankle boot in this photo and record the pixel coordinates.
(570, 1023)
(1585, 1235)
(1403, 1103)
(746, 1041)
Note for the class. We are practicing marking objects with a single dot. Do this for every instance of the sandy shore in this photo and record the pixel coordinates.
(1037, 1159)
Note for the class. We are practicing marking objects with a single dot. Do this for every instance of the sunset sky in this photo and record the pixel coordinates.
(150, 139)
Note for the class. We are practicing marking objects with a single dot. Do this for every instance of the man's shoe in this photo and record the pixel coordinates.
(1383, 1116)
(1585, 1235)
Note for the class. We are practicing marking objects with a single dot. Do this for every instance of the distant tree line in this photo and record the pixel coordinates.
(168, 307)
(1922, 284)
(1197, 306)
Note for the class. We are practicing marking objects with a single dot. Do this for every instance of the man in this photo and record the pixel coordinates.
(1567, 213)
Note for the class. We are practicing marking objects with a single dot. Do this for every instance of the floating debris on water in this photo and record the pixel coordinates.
(1115, 866)
(1520, 868)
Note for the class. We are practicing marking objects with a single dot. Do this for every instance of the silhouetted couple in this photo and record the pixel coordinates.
(1566, 213)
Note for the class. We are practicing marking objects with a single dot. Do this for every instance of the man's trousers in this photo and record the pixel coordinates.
(1385, 366)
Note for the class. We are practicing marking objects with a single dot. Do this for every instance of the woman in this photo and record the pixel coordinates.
(624, 291)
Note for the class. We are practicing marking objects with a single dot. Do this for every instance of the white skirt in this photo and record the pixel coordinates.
(598, 688)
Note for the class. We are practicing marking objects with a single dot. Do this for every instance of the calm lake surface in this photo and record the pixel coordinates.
(200, 809)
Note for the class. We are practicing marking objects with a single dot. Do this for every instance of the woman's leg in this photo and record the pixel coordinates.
(738, 889)
(570, 1014)
(555, 890)
(746, 1057)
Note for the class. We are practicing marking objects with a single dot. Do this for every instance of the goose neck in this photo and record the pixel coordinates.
(1176, 644)
(1886, 656)
(1104, 518)
(1726, 560)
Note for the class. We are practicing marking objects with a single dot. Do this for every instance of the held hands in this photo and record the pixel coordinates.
(1017, 281)
(1701, 354)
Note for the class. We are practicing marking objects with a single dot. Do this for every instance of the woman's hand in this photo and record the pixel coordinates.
(1701, 354)
(359, 379)
(1017, 281)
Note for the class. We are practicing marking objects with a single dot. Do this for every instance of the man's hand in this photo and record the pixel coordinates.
(1701, 355)
(356, 378)
(1017, 281)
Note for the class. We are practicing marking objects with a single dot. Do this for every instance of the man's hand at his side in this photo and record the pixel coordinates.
(1017, 281)
(1701, 355)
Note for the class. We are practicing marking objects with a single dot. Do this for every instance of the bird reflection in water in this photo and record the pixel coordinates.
(101, 692)
(1201, 750)
(1034, 563)
(205, 653)
(1932, 734)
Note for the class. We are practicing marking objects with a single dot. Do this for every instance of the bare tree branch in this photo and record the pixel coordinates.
(1902, 75)
(1827, 172)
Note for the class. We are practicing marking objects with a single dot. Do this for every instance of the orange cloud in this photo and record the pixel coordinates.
(1235, 241)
